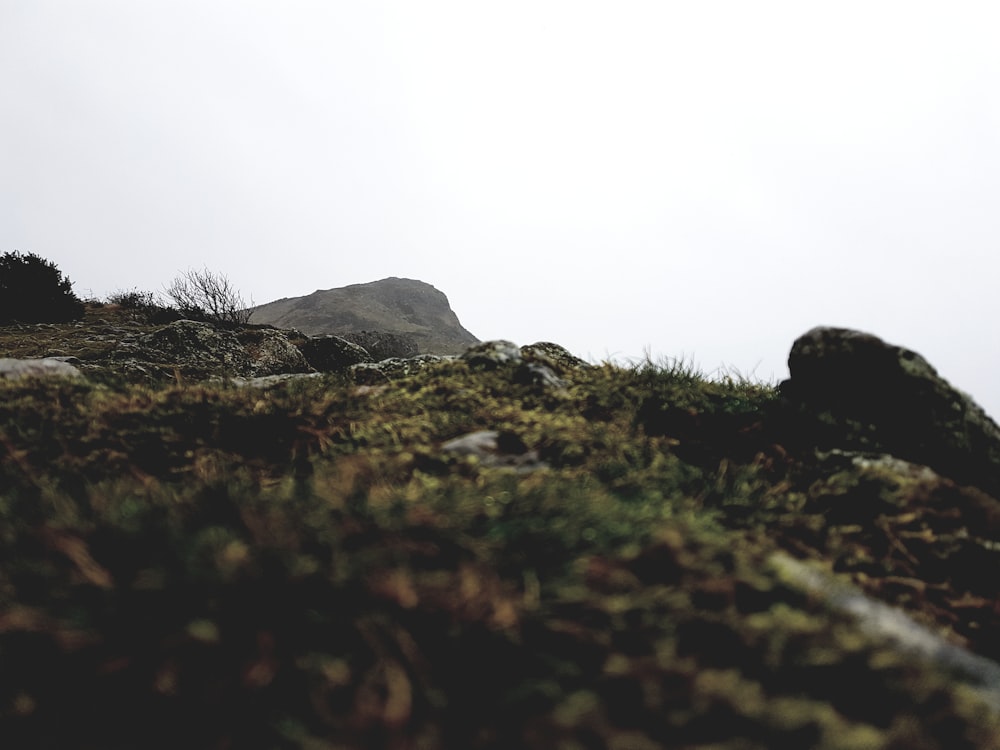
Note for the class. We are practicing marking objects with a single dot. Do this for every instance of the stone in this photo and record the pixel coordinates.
(271, 352)
(533, 373)
(375, 373)
(196, 344)
(269, 381)
(490, 355)
(382, 345)
(557, 358)
(45, 367)
(332, 353)
(495, 449)
(539, 364)
(199, 349)
(882, 622)
(851, 390)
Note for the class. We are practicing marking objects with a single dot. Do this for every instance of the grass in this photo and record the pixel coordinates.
(211, 566)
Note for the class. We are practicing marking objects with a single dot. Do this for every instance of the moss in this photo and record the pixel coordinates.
(202, 565)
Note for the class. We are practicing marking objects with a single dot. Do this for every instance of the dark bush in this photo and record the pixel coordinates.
(133, 300)
(147, 307)
(33, 290)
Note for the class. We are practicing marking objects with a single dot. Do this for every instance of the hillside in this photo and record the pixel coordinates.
(509, 548)
(401, 306)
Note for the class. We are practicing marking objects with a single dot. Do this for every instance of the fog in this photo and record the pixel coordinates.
(697, 180)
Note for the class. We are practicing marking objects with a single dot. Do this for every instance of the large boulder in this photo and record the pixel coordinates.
(384, 345)
(271, 352)
(852, 390)
(489, 355)
(556, 357)
(333, 353)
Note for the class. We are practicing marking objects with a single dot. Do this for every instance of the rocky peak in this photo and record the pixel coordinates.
(405, 307)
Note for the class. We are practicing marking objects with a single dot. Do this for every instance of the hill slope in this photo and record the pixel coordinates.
(507, 549)
(404, 306)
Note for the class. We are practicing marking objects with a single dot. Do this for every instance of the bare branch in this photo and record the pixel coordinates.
(209, 295)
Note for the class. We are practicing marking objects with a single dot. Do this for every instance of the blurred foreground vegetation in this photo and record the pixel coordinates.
(207, 566)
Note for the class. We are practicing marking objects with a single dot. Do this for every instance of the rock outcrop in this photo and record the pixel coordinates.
(199, 350)
(853, 391)
(904, 471)
(382, 345)
(333, 353)
(411, 310)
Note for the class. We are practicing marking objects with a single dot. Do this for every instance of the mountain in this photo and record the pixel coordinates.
(403, 306)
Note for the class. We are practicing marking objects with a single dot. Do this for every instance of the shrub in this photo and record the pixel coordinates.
(133, 300)
(147, 307)
(204, 295)
(33, 290)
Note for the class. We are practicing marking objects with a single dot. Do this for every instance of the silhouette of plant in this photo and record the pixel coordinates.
(206, 295)
(33, 290)
(133, 300)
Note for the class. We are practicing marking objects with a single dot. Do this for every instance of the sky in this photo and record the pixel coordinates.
(702, 181)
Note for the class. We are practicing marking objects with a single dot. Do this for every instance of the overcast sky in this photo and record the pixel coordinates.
(694, 179)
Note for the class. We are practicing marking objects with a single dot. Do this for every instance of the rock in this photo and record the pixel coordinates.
(915, 641)
(852, 390)
(375, 373)
(490, 355)
(536, 364)
(46, 367)
(271, 352)
(198, 349)
(495, 449)
(553, 356)
(384, 345)
(269, 381)
(333, 353)
(533, 373)
(194, 344)
(547, 364)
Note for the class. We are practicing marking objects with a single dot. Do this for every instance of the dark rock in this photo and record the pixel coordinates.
(384, 345)
(533, 373)
(854, 391)
(333, 353)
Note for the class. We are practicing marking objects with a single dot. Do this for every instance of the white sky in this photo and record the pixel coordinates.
(694, 179)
